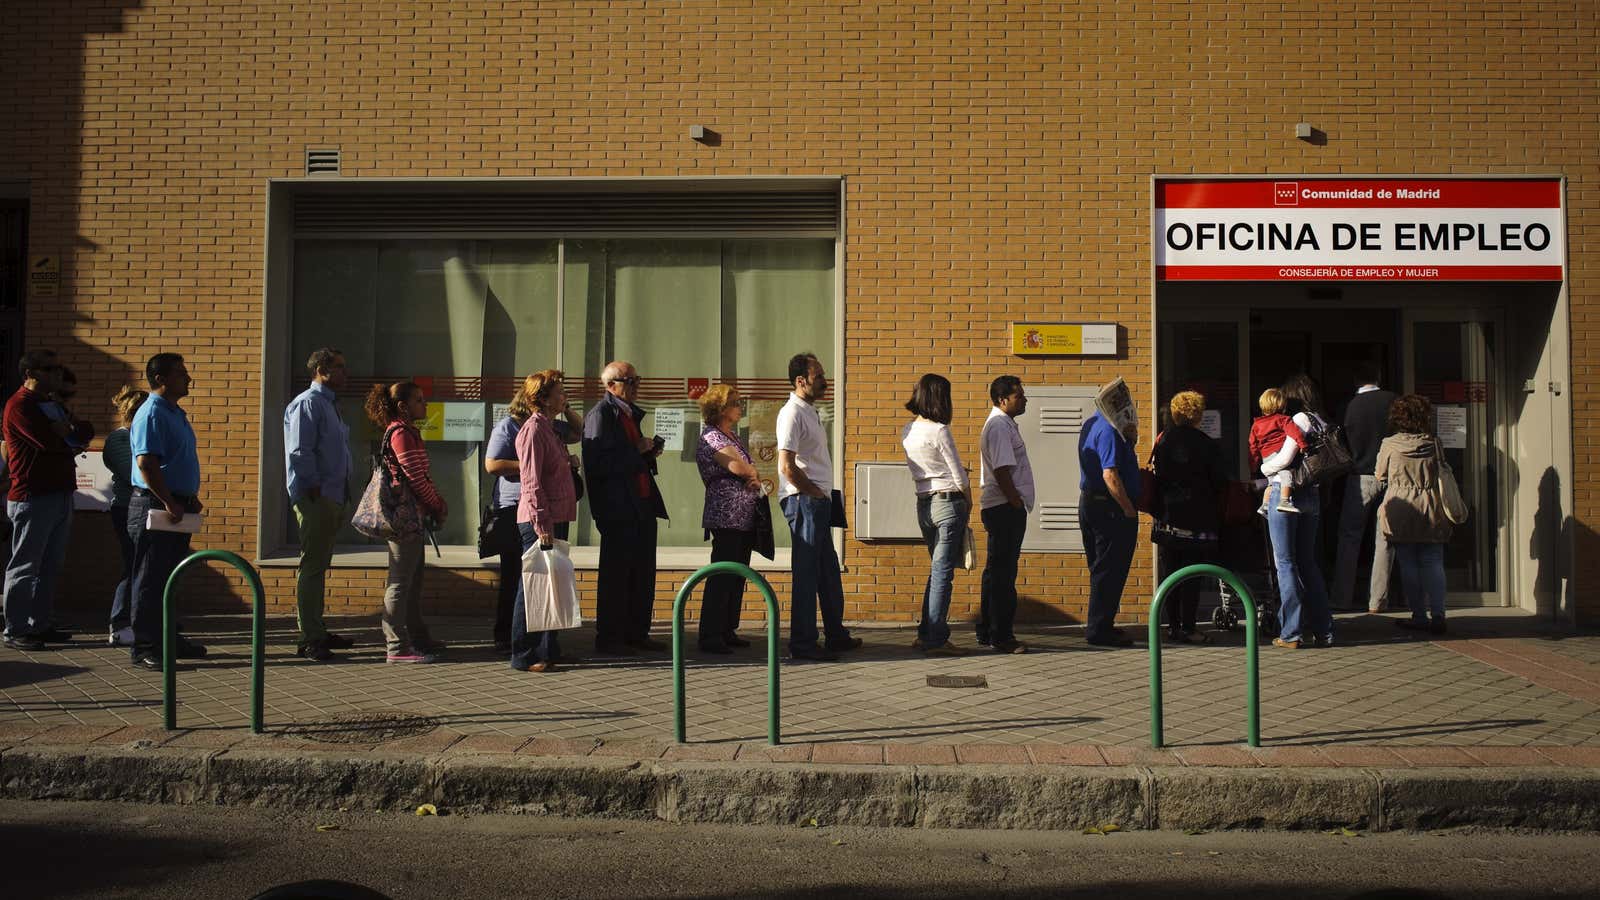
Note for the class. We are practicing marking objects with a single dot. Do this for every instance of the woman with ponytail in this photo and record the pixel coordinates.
(395, 408)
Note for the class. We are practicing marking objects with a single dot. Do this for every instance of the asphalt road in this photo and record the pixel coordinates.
(107, 850)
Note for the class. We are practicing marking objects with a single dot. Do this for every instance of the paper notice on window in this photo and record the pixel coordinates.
(1211, 424)
(669, 425)
(94, 482)
(1450, 423)
(498, 412)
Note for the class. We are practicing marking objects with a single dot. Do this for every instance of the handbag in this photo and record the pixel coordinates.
(836, 517)
(1448, 492)
(388, 509)
(1149, 499)
(766, 539)
(1325, 458)
(550, 588)
(489, 537)
(577, 481)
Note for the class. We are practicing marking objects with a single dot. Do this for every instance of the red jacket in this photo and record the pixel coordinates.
(412, 454)
(39, 459)
(1267, 434)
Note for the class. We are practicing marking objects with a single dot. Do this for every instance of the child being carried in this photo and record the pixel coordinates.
(1267, 434)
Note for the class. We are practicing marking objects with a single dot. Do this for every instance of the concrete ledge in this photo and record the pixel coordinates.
(312, 778)
(776, 793)
(1417, 799)
(1265, 798)
(1031, 797)
(152, 775)
(611, 788)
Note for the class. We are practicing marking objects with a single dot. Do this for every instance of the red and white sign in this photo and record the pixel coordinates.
(1372, 229)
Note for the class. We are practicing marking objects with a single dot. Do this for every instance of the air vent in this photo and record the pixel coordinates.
(1058, 517)
(322, 162)
(1060, 419)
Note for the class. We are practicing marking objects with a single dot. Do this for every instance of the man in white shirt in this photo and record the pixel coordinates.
(805, 484)
(1006, 499)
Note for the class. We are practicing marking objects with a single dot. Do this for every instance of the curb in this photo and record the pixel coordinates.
(774, 793)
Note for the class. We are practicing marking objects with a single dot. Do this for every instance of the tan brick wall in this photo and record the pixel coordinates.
(998, 158)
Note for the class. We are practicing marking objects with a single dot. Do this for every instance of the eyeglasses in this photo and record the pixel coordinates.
(631, 380)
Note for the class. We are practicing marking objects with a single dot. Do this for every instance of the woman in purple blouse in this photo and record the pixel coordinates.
(732, 490)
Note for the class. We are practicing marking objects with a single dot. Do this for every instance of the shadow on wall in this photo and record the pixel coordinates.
(1553, 534)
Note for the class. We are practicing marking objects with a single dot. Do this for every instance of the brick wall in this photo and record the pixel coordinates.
(998, 158)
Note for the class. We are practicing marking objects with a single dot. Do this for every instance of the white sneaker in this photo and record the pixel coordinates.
(1286, 505)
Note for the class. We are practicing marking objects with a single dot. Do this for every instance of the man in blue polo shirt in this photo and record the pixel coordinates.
(1109, 523)
(166, 480)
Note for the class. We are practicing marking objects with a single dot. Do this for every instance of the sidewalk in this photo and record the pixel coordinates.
(1502, 702)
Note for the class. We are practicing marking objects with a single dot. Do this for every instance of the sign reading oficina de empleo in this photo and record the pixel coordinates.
(1063, 339)
(1365, 229)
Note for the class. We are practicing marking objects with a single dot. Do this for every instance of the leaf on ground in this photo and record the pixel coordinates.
(427, 809)
(327, 828)
(1196, 831)
(1094, 829)
(1113, 827)
(1343, 832)
(1213, 852)
(838, 843)
(812, 823)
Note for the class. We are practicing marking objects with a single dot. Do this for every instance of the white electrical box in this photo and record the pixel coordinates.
(886, 502)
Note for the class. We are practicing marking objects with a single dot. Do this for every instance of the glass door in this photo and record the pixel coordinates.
(1455, 359)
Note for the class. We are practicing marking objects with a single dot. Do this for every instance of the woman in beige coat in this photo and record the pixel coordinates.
(1410, 514)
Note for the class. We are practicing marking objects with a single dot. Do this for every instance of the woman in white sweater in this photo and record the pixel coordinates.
(944, 504)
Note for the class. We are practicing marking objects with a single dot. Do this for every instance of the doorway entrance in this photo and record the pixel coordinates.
(1231, 352)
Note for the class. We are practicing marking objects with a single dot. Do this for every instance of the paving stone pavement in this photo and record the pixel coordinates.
(1499, 680)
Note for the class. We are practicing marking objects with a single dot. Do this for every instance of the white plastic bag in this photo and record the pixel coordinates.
(550, 589)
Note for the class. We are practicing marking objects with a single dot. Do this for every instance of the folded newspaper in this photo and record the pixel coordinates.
(1115, 404)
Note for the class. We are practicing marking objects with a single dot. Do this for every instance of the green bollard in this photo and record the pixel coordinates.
(169, 640)
(1252, 672)
(748, 574)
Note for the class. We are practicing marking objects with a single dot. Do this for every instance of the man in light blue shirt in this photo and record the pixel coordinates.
(166, 484)
(316, 450)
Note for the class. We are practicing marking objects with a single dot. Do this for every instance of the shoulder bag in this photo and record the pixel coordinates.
(388, 510)
(1447, 491)
(1326, 456)
(1149, 499)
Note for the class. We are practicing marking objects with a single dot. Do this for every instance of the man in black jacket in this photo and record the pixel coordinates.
(1365, 425)
(625, 502)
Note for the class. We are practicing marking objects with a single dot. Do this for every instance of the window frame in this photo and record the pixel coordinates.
(277, 330)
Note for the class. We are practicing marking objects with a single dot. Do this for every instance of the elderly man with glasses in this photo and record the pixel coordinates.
(625, 503)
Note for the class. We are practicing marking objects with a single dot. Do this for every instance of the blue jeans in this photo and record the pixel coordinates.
(1006, 527)
(1422, 575)
(121, 608)
(529, 647)
(943, 521)
(38, 549)
(1302, 593)
(155, 555)
(815, 568)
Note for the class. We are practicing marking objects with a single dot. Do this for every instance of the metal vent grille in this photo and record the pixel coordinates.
(322, 162)
(1061, 419)
(700, 213)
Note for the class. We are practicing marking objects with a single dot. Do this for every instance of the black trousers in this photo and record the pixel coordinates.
(155, 555)
(997, 610)
(1108, 543)
(1183, 602)
(626, 582)
(724, 594)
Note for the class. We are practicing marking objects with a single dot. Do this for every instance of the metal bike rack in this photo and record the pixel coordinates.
(748, 574)
(169, 640)
(1252, 671)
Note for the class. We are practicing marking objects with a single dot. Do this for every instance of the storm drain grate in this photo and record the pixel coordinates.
(365, 728)
(958, 681)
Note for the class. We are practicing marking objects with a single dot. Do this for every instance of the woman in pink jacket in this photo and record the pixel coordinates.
(548, 502)
(395, 408)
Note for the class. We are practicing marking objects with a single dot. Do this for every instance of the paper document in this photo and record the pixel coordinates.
(158, 520)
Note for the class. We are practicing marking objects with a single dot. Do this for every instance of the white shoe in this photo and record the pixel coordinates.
(1287, 506)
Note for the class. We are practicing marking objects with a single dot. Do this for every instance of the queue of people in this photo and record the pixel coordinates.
(539, 481)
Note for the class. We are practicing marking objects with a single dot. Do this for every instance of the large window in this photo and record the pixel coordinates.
(468, 318)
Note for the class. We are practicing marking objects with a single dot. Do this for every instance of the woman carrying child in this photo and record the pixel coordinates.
(1302, 592)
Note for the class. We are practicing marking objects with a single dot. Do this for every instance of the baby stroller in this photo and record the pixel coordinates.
(1247, 551)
